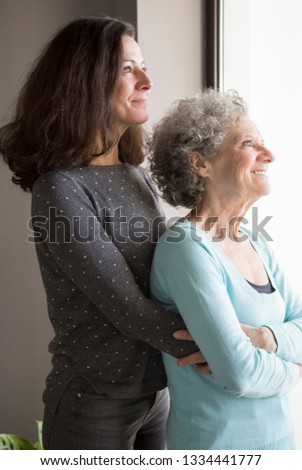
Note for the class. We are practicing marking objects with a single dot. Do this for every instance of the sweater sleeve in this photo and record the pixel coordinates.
(95, 265)
(288, 334)
(186, 276)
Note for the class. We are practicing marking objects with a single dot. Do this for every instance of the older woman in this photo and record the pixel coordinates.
(209, 156)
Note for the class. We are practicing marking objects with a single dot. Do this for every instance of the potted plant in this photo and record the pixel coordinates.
(14, 442)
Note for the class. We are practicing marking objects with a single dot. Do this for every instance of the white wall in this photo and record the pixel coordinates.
(262, 60)
(169, 34)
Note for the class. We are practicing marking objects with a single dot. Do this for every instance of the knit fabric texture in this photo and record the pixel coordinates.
(95, 232)
(245, 403)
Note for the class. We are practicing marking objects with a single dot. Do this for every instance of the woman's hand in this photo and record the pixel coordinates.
(261, 337)
(197, 359)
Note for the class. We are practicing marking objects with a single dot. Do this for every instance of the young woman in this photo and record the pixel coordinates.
(77, 144)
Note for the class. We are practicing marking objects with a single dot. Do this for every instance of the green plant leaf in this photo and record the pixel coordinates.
(38, 445)
(13, 442)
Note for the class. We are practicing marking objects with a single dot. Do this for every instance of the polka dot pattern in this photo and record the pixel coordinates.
(95, 264)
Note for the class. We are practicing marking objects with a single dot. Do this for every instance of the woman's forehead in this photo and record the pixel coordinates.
(243, 126)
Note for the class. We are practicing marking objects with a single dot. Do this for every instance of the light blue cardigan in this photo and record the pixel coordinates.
(245, 403)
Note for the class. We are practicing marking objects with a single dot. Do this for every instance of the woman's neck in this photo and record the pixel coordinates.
(108, 159)
(220, 218)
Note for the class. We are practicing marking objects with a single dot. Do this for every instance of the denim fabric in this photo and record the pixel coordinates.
(86, 420)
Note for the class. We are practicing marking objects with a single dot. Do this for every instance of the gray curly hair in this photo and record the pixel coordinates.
(199, 123)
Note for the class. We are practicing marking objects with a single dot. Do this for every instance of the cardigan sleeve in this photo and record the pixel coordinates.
(186, 278)
(96, 266)
(288, 334)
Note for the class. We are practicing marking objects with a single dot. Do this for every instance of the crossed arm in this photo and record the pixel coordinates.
(283, 339)
(187, 277)
(261, 337)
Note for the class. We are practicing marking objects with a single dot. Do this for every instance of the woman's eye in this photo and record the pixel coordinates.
(127, 69)
(248, 143)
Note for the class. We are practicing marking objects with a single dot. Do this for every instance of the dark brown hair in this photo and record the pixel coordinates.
(66, 102)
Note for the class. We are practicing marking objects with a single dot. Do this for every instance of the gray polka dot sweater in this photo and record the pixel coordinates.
(95, 233)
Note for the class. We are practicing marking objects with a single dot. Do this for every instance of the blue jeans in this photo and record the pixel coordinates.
(86, 420)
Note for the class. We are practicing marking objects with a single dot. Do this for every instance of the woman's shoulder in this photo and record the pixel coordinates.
(81, 177)
(53, 179)
(185, 239)
(184, 247)
(182, 230)
(57, 188)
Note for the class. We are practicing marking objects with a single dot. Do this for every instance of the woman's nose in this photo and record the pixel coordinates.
(266, 154)
(144, 81)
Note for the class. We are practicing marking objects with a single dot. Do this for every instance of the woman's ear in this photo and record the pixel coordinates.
(199, 163)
